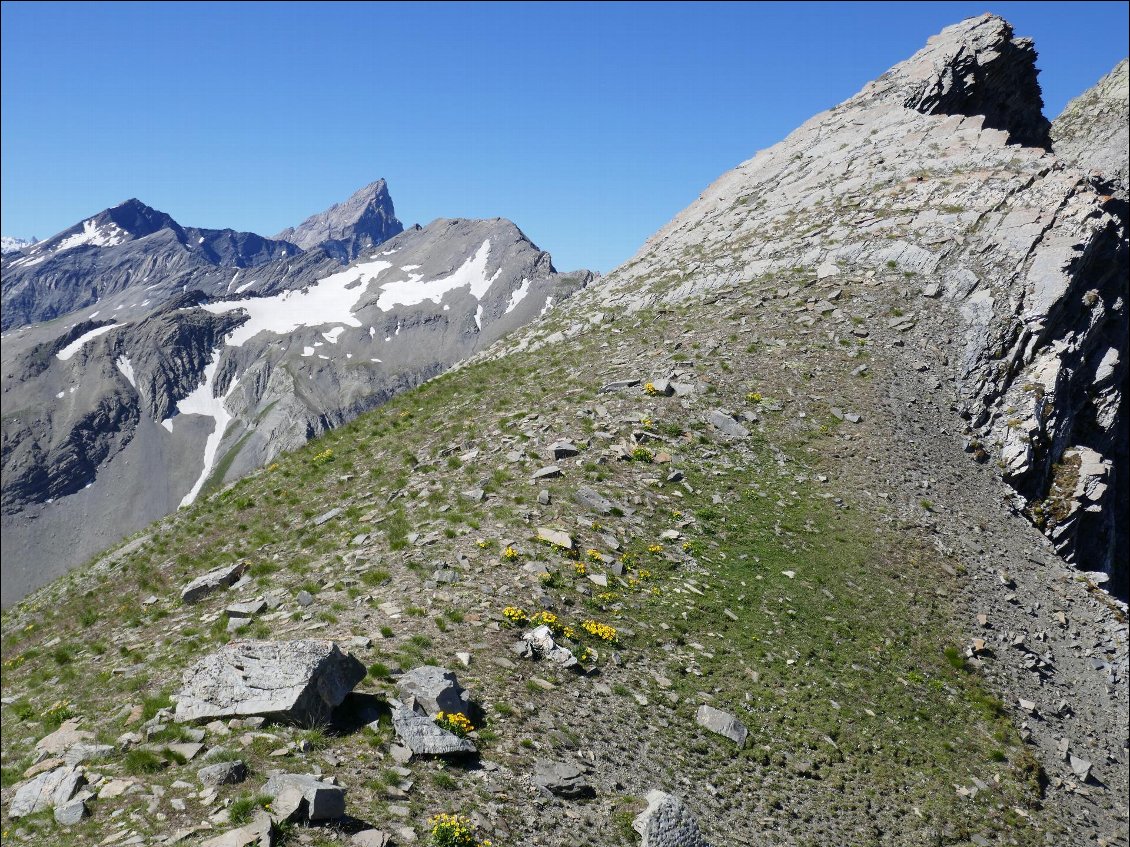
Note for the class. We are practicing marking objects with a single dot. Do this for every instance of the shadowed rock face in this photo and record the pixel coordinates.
(116, 416)
(1003, 268)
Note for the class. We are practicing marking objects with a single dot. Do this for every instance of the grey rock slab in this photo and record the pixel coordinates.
(548, 472)
(290, 805)
(71, 813)
(434, 690)
(246, 609)
(66, 736)
(667, 822)
(259, 833)
(212, 581)
(562, 450)
(725, 423)
(49, 789)
(1081, 768)
(324, 800)
(617, 385)
(371, 838)
(721, 723)
(592, 500)
(223, 773)
(327, 516)
(564, 779)
(423, 737)
(78, 753)
(301, 681)
(555, 537)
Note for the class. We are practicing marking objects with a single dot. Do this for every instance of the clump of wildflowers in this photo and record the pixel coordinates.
(456, 723)
(323, 458)
(602, 631)
(454, 831)
(515, 616)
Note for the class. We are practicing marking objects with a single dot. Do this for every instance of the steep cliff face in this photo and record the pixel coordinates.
(1000, 268)
(345, 229)
(203, 389)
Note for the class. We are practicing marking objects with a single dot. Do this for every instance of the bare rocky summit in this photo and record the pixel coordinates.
(1092, 132)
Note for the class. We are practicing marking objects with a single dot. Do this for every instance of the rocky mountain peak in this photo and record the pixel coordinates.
(345, 229)
(974, 67)
(1092, 132)
(136, 218)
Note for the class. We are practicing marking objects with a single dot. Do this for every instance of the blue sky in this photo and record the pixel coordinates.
(589, 125)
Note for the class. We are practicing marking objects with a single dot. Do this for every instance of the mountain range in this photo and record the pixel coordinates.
(145, 362)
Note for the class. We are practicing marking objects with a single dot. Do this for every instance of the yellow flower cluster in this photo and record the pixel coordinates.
(274, 466)
(15, 662)
(580, 568)
(649, 389)
(645, 423)
(483, 544)
(509, 554)
(454, 722)
(546, 619)
(454, 831)
(753, 397)
(655, 548)
(325, 457)
(596, 555)
(601, 630)
(642, 454)
(515, 616)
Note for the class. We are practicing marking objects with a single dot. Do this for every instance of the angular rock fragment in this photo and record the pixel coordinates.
(593, 501)
(259, 833)
(555, 537)
(726, 424)
(721, 723)
(300, 681)
(434, 690)
(565, 779)
(666, 822)
(212, 581)
(423, 737)
(324, 801)
(223, 773)
(50, 789)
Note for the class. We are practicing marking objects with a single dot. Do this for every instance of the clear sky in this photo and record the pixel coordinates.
(589, 126)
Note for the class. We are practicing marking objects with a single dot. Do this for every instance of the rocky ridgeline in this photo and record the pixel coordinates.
(1003, 266)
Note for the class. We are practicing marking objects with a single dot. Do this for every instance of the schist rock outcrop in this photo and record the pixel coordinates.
(188, 357)
(1010, 260)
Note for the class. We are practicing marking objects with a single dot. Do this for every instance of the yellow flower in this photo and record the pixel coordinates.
(509, 554)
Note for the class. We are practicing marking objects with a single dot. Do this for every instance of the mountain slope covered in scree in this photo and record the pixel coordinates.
(715, 527)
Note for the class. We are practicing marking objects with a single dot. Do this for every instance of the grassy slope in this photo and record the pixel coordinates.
(861, 723)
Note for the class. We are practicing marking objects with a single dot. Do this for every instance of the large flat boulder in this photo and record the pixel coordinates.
(298, 681)
(722, 723)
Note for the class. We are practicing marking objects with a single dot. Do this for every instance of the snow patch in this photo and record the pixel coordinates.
(59, 396)
(330, 300)
(107, 236)
(126, 367)
(415, 289)
(77, 344)
(548, 305)
(518, 296)
(334, 334)
(201, 401)
(479, 316)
